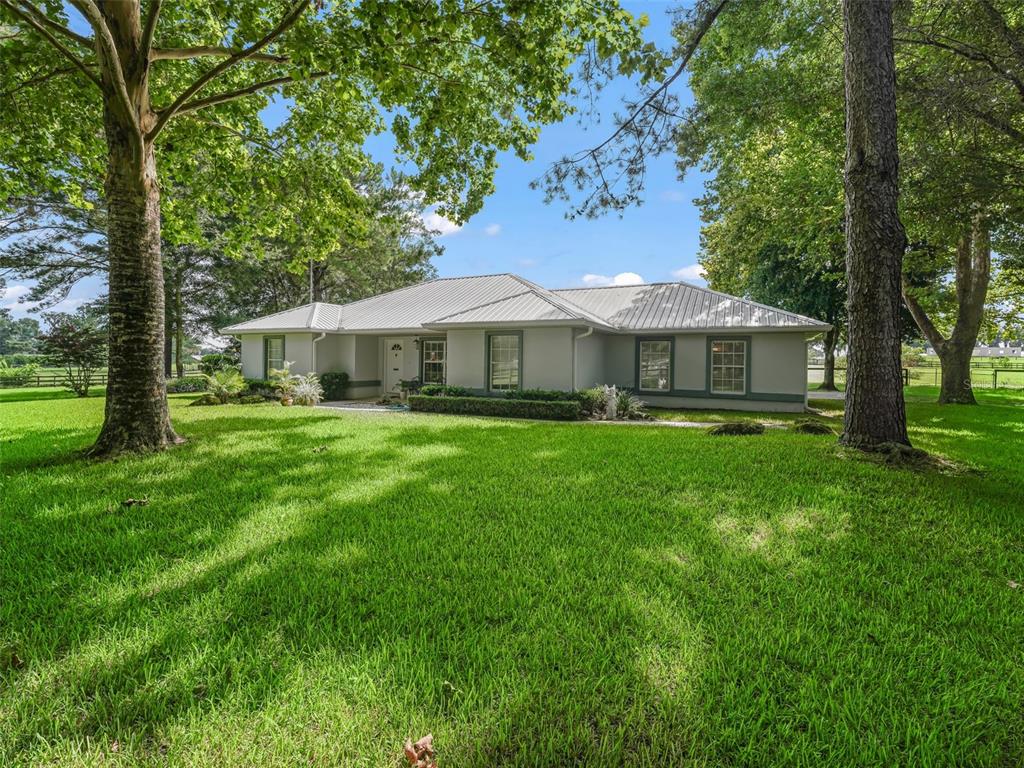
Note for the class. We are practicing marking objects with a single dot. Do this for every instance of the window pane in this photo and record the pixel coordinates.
(504, 362)
(275, 352)
(434, 368)
(655, 365)
(729, 367)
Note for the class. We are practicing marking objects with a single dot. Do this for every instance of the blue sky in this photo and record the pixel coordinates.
(517, 232)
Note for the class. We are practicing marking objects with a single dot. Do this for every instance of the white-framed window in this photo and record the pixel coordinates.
(728, 367)
(503, 361)
(434, 360)
(273, 354)
(655, 374)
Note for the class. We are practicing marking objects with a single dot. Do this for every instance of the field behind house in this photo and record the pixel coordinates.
(302, 586)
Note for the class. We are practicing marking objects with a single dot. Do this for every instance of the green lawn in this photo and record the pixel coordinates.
(307, 587)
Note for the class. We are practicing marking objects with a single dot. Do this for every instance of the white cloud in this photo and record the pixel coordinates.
(623, 278)
(672, 196)
(439, 224)
(11, 294)
(492, 230)
(689, 272)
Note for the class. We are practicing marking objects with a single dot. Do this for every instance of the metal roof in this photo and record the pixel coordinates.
(507, 299)
(681, 306)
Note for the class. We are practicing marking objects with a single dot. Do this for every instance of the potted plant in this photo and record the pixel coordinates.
(407, 387)
(284, 382)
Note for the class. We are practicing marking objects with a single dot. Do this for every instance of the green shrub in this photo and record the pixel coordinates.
(262, 387)
(737, 428)
(629, 406)
(217, 361)
(593, 401)
(17, 359)
(560, 410)
(251, 399)
(335, 384)
(187, 384)
(445, 390)
(208, 399)
(17, 376)
(225, 383)
(541, 394)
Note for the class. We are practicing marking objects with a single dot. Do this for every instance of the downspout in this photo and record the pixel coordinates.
(575, 349)
(318, 338)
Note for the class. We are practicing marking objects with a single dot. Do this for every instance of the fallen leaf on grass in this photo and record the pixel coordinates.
(1013, 584)
(320, 449)
(421, 754)
(135, 502)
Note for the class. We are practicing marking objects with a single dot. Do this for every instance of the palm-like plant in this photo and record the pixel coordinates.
(283, 379)
(224, 384)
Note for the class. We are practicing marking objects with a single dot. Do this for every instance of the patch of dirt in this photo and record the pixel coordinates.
(899, 456)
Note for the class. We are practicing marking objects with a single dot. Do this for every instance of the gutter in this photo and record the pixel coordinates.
(318, 338)
(575, 349)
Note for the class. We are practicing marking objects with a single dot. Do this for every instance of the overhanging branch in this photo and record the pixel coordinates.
(199, 51)
(149, 30)
(186, 96)
(50, 38)
(42, 18)
(221, 98)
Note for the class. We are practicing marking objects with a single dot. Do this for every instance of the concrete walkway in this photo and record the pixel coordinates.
(364, 405)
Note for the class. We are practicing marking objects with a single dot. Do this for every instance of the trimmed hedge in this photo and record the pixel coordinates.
(186, 384)
(558, 410)
(542, 394)
(445, 390)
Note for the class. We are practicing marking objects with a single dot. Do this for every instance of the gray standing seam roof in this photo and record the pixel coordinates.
(507, 299)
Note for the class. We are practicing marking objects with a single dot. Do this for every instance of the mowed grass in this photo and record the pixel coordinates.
(309, 587)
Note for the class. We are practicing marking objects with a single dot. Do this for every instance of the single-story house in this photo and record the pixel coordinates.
(673, 344)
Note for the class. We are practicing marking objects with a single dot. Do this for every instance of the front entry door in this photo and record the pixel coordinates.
(397, 352)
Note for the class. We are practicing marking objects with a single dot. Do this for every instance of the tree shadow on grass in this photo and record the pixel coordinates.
(530, 593)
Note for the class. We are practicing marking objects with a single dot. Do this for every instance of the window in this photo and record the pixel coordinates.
(655, 365)
(503, 361)
(273, 353)
(728, 367)
(434, 361)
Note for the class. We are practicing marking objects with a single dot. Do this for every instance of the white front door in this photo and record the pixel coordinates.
(399, 361)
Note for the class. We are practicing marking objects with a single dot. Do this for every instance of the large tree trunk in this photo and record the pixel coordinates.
(973, 266)
(828, 382)
(875, 239)
(136, 417)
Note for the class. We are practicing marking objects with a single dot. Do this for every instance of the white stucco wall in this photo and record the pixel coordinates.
(778, 363)
(298, 348)
(589, 359)
(252, 356)
(619, 360)
(466, 358)
(690, 370)
(547, 358)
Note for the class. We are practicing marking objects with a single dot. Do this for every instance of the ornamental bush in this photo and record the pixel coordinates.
(17, 376)
(559, 410)
(335, 384)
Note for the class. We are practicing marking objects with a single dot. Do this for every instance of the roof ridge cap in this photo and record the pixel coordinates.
(485, 304)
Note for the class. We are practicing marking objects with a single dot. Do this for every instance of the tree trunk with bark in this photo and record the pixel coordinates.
(828, 382)
(136, 417)
(973, 268)
(875, 240)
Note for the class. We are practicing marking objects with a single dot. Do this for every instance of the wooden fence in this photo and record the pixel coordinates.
(1005, 376)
